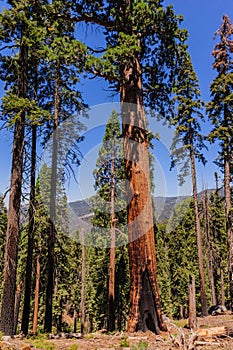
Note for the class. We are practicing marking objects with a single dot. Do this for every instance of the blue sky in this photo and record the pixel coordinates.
(202, 19)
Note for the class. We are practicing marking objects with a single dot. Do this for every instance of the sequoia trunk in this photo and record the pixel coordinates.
(145, 312)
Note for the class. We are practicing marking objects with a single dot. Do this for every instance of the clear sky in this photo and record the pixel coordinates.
(202, 18)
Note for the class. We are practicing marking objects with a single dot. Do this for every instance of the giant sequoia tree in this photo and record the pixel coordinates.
(220, 113)
(140, 61)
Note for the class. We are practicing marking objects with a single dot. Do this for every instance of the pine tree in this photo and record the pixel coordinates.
(188, 144)
(20, 31)
(164, 275)
(62, 262)
(41, 231)
(219, 241)
(208, 244)
(63, 58)
(9, 281)
(219, 110)
(182, 255)
(108, 201)
(34, 60)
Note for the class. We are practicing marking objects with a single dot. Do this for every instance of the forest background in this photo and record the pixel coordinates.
(80, 294)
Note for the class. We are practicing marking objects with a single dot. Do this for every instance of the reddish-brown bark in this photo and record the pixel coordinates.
(145, 312)
(37, 291)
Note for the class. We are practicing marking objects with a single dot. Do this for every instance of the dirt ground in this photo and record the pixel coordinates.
(177, 337)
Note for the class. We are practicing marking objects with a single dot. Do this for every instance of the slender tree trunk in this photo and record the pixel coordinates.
(145, 311)
(222, 284)
(37, 293)
(11, 251)
(227, 190)
(28, 281)
(204, 308)
(57, 318)
(52, 231)
(181, 312)
(75, 319)
(82, 303)
(111, 287)
(18, 295)
(210, 258)
(220, 263)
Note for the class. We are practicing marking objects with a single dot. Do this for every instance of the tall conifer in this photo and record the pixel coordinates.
(188, 145)
(219, 110)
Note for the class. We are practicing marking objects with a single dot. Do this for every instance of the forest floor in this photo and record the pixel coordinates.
(178, 337)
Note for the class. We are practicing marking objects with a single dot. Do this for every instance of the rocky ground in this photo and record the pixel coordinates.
(177, 337)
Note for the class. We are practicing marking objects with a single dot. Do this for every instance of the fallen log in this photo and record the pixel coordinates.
(205, 343)
(212, 332)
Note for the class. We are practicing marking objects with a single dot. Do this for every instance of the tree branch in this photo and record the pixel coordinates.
(8, 47)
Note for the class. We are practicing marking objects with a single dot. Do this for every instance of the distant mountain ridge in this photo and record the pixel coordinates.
(164, 206)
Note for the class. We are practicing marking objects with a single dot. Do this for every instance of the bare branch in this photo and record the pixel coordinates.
(102, 50)
(9, 47)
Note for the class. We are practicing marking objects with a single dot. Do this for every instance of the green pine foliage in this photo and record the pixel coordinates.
(143, 30)
(110, 154)
(218, 233)
(219, 109)
(163, 264)
(177, 259)
(188, 119)
(21, 23)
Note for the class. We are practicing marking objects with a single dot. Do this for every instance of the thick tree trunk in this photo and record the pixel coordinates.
(28, 281)
(145, 312)
(204, 308)
(11, 252)
(52, 230)
(37, 293)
